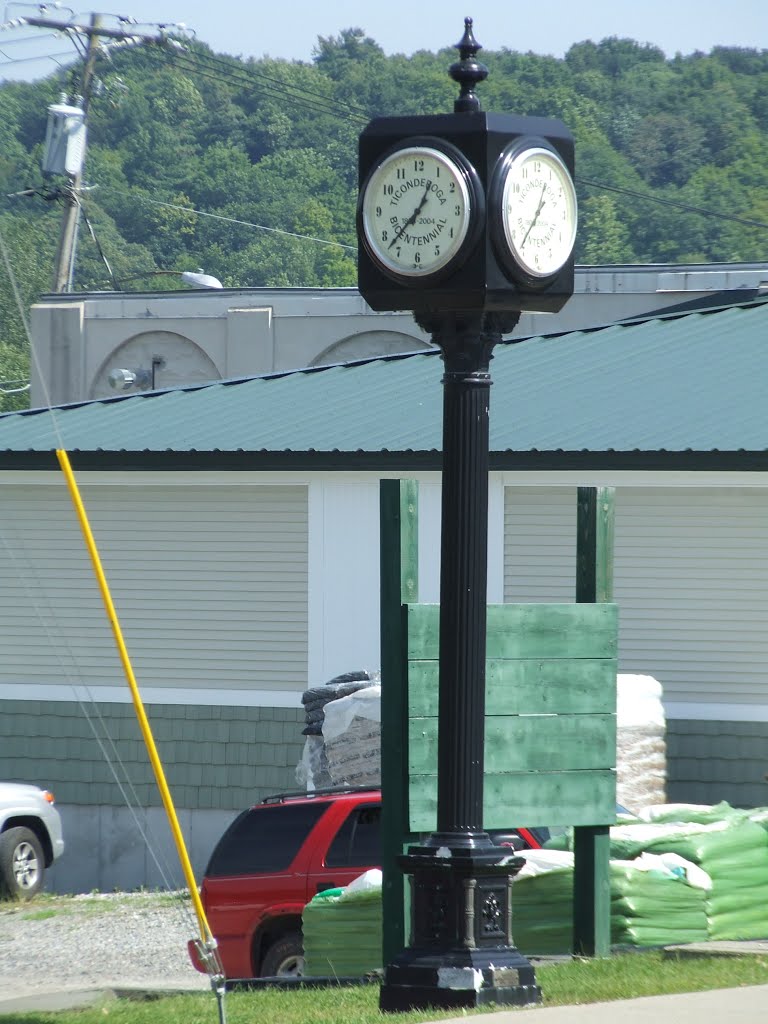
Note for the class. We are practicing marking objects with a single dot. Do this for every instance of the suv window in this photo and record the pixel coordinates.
(358, 842)
(264, 839)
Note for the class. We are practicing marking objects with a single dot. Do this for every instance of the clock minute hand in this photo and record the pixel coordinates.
(412, 219)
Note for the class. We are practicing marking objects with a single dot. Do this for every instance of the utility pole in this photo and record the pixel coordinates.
(65, 254)
(94, 32)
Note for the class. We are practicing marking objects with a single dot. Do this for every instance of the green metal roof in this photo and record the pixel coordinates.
(692, 383)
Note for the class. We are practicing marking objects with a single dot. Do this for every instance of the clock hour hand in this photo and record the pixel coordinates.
(535, 217)
(412, 219)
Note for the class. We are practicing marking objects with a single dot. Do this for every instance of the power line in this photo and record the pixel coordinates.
(194, 62)
(230, 220)
(250, 73)
(42, 56)
(688, 207)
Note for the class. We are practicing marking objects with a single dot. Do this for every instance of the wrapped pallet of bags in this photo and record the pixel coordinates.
(312, 771)
(352, 738)
(342, 930)
(641, 752)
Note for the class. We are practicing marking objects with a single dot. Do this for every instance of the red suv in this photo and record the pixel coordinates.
(276, 856)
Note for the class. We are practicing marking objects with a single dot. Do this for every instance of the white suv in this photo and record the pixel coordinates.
(30, 838)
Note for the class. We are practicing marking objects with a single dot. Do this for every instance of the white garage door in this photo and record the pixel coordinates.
(690, 578)
(209, 583)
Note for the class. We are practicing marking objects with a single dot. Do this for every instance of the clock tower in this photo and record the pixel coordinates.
(467, 219)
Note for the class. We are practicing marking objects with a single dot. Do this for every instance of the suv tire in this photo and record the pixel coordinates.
(284, 958)
(22, 863)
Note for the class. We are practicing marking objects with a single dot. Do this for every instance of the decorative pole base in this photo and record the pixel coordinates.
(461, 952)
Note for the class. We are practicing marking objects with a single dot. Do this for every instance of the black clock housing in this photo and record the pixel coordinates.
(480, 280)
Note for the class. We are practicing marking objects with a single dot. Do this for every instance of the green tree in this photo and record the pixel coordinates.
(603, 238)
(14, 378)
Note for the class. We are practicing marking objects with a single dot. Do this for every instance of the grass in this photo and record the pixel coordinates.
(46, 905)
(579, 981)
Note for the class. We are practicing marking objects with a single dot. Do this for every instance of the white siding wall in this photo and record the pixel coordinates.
(209, 583)
(691, 581)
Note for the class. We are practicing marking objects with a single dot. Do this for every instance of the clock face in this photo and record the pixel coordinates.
(416, 211)
(538, 211)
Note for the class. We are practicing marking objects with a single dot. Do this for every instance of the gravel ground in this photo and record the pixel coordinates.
(115, 939)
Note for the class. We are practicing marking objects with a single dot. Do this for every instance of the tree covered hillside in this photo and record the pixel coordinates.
(247, 169)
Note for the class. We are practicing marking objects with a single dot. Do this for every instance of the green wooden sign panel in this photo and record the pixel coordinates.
(536, 798)
(528, 686)
(520, 743)
(527, 631)
(550, 715)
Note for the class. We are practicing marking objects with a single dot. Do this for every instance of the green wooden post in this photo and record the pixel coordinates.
(398, 501)
(594, 583)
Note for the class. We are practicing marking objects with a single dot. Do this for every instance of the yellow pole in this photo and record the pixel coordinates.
(205, 932)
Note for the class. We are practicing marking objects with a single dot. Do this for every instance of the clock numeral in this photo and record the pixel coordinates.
(401, 173)
(437, 250)
(418, 165)
(384, 236)
(388, 190)
(457, 208)
(537, 166)
(379, 211)
(452, 187)
(398, 250)
(437, 172)
(417, 258)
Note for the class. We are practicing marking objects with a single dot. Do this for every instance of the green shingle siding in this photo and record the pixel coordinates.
(212, 757)
(709, 761)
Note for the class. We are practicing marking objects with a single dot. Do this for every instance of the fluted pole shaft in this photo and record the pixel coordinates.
(463, 584)
(467, 342)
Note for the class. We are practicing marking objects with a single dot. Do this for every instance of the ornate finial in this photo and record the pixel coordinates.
(468, 71)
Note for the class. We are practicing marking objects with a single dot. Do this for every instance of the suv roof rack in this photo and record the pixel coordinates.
(324, 791)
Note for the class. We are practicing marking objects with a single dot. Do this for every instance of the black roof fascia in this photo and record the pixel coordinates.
(401, 462)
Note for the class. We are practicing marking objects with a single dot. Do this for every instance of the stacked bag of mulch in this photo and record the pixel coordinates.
(730, 845)
(727, 847)
(342, 930)
(325, 763)
(655, 901)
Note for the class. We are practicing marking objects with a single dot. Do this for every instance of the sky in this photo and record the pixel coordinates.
(290, 28)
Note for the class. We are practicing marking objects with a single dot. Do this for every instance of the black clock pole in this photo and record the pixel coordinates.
(461, 951)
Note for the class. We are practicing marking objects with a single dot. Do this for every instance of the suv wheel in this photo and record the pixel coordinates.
(284, 958)
(22, 864)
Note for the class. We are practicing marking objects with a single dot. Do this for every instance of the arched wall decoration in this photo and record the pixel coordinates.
(177, 360)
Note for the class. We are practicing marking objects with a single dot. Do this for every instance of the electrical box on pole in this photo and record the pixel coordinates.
(65, 139)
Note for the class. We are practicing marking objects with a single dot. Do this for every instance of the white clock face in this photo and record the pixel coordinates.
(539, 211)
(416, 211)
